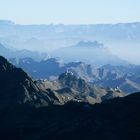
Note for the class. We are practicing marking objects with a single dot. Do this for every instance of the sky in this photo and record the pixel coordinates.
(70, 11)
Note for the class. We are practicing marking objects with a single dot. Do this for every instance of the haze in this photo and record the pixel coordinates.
(70, 11)
(121, 39)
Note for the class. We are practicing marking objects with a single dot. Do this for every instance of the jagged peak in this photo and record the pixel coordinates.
(90, 44)
(4, 64)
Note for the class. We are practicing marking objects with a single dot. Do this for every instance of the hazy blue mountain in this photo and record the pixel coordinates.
(122, 31)
(88, 44)
(117, 37)
(10, 53)
(5, 51)
(89, 52)
(51, 67)
(42, 69)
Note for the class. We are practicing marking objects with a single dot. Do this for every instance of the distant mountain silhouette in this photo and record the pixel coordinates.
(5, 51)
(89, 52)
(10, 53)
(48, 33)
(88, 44)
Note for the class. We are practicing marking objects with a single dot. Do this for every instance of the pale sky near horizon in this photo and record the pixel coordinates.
(70, 11)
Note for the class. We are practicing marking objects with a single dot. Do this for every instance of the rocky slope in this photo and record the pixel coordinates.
(70, 87)
(29, 111)
(125, 77)
(17, 87)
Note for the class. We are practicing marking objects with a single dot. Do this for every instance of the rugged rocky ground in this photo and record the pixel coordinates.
(125, 77)
(28, 111)
(18, 87)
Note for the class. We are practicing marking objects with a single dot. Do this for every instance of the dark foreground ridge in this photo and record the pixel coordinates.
(116, 119)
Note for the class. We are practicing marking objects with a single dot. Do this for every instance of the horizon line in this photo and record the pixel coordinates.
(9, 21)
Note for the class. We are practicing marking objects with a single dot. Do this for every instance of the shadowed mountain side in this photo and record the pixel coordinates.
(17, 88)
(116, 119)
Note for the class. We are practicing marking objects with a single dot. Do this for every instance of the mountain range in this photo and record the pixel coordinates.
(60, 32)
(119, 38)
(69, 82)
(91, 52)
(79, 53)
(29, 111)
(124, 77)
(10, 53)
(26, 90)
